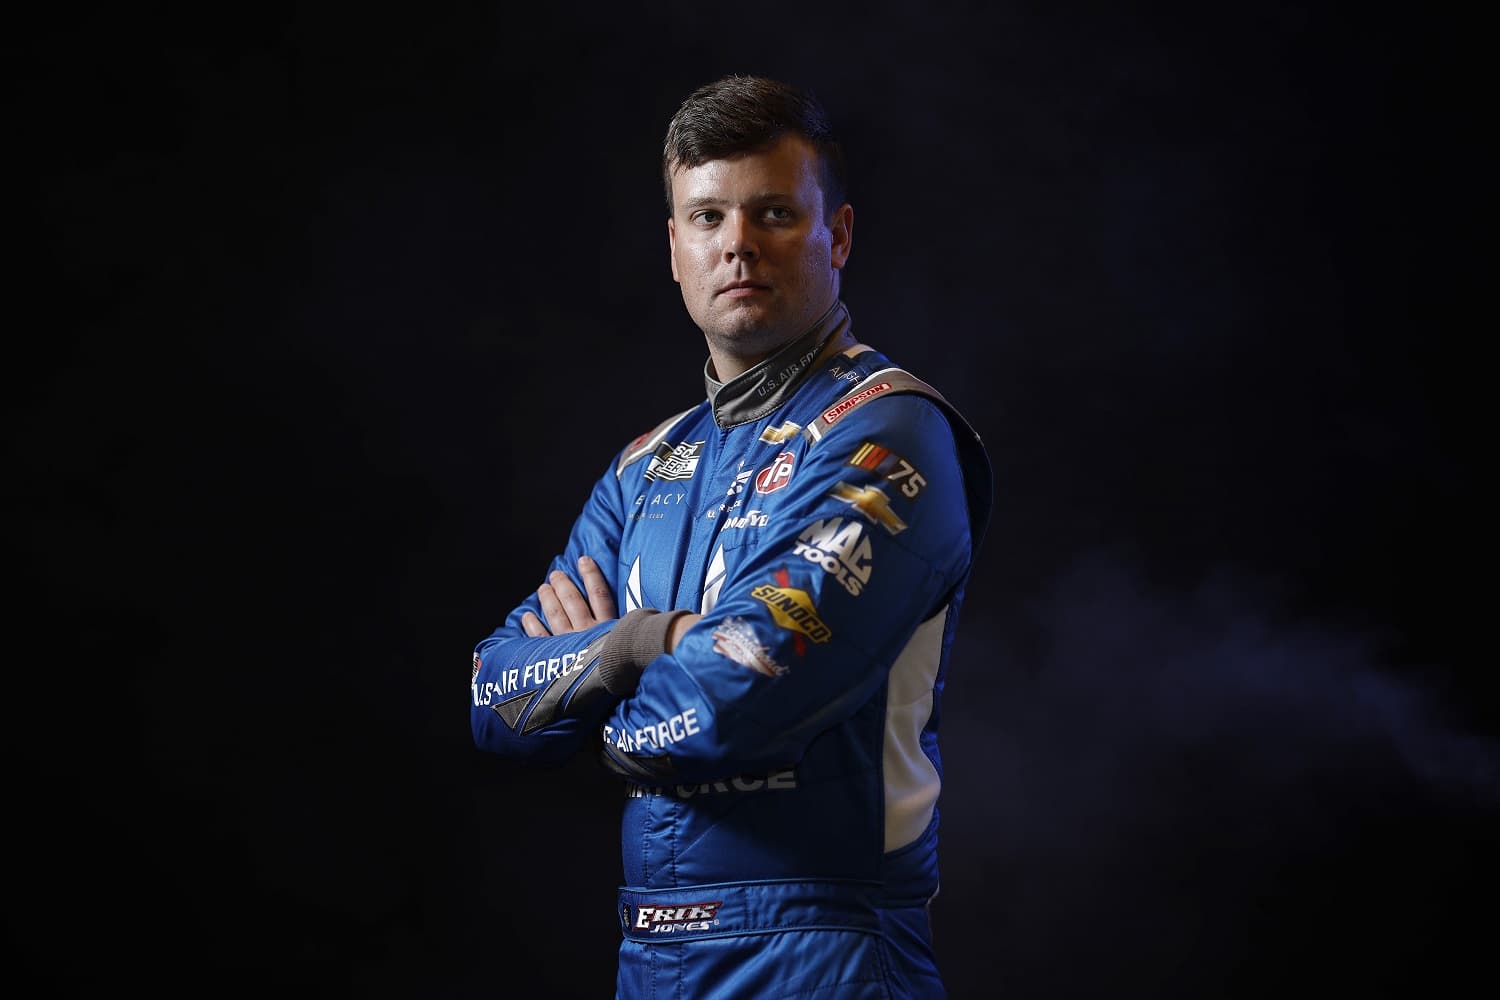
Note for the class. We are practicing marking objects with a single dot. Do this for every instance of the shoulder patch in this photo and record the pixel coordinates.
(647, 442)
(978, 475)
(886, 380)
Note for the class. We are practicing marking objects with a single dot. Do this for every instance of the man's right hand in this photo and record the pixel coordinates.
(566, 608)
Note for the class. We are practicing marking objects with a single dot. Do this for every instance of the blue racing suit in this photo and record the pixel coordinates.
(821, 511)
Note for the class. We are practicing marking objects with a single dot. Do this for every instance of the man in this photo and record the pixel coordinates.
(792, 554)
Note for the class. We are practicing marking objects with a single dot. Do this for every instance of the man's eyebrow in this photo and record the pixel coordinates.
(704, 201)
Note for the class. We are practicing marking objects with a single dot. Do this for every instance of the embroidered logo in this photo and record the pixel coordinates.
(879, 459)
(669, 463)
(872, 502)
(843, 406)
(793, 610)
(841, 549)
(676, 919)
(736, 639)
(776, 475)
(776, 435)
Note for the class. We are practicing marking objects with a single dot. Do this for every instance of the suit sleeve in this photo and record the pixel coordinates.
(542, 699)
(870, 540)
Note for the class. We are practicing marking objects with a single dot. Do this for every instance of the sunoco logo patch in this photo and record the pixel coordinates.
(793, 610)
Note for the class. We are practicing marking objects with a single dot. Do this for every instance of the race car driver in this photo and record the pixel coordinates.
(752, 618)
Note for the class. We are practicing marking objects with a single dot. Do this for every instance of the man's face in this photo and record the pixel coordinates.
(755, 251)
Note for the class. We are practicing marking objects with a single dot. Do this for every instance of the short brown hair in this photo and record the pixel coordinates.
(741, 114)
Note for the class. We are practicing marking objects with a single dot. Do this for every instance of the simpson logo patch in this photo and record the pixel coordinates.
(843, 406)
(793, 610)
(736, 639)
(776, 475)
(872, 502)
(776, 435)
(679, 919)
(674, 463)
(879, 459)
(475, 675)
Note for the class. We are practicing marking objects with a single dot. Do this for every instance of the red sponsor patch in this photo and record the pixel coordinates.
(776, 475)
(843, 406)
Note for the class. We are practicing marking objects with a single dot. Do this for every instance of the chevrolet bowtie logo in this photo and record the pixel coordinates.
(776, 435)
(872, 502)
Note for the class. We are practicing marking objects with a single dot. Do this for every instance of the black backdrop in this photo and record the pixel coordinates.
(342, 311)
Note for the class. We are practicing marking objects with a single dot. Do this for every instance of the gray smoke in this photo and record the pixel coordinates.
(1145, 787)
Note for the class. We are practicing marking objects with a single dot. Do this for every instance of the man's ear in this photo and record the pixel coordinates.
(672, 249)
(841, 227)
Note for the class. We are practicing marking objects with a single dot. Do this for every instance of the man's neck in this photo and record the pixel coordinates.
(726, 366)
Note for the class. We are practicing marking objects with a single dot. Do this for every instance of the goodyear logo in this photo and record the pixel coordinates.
(793, 610)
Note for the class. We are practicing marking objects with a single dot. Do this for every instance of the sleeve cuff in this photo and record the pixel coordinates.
(639, 638)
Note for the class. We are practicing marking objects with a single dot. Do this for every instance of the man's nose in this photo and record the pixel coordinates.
(739, 239)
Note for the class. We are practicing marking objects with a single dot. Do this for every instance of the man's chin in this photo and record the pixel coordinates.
(746, 340)
(748, 321)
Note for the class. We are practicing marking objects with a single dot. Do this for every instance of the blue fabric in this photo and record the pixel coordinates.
(774, 939)
(759, 749)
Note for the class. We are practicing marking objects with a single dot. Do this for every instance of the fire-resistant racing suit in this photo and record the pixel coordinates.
(821, 512)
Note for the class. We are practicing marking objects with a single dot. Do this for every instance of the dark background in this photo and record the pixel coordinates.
(336, 314)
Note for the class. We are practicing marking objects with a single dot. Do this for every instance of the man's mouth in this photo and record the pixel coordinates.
(742, 289)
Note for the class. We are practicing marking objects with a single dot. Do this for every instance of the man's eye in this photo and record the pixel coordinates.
(779, 213)
(707, 217)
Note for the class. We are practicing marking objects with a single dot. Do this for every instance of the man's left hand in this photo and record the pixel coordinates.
(566, 607)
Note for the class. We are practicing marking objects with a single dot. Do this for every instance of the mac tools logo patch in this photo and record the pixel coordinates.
(841, 549)
(669, 463)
